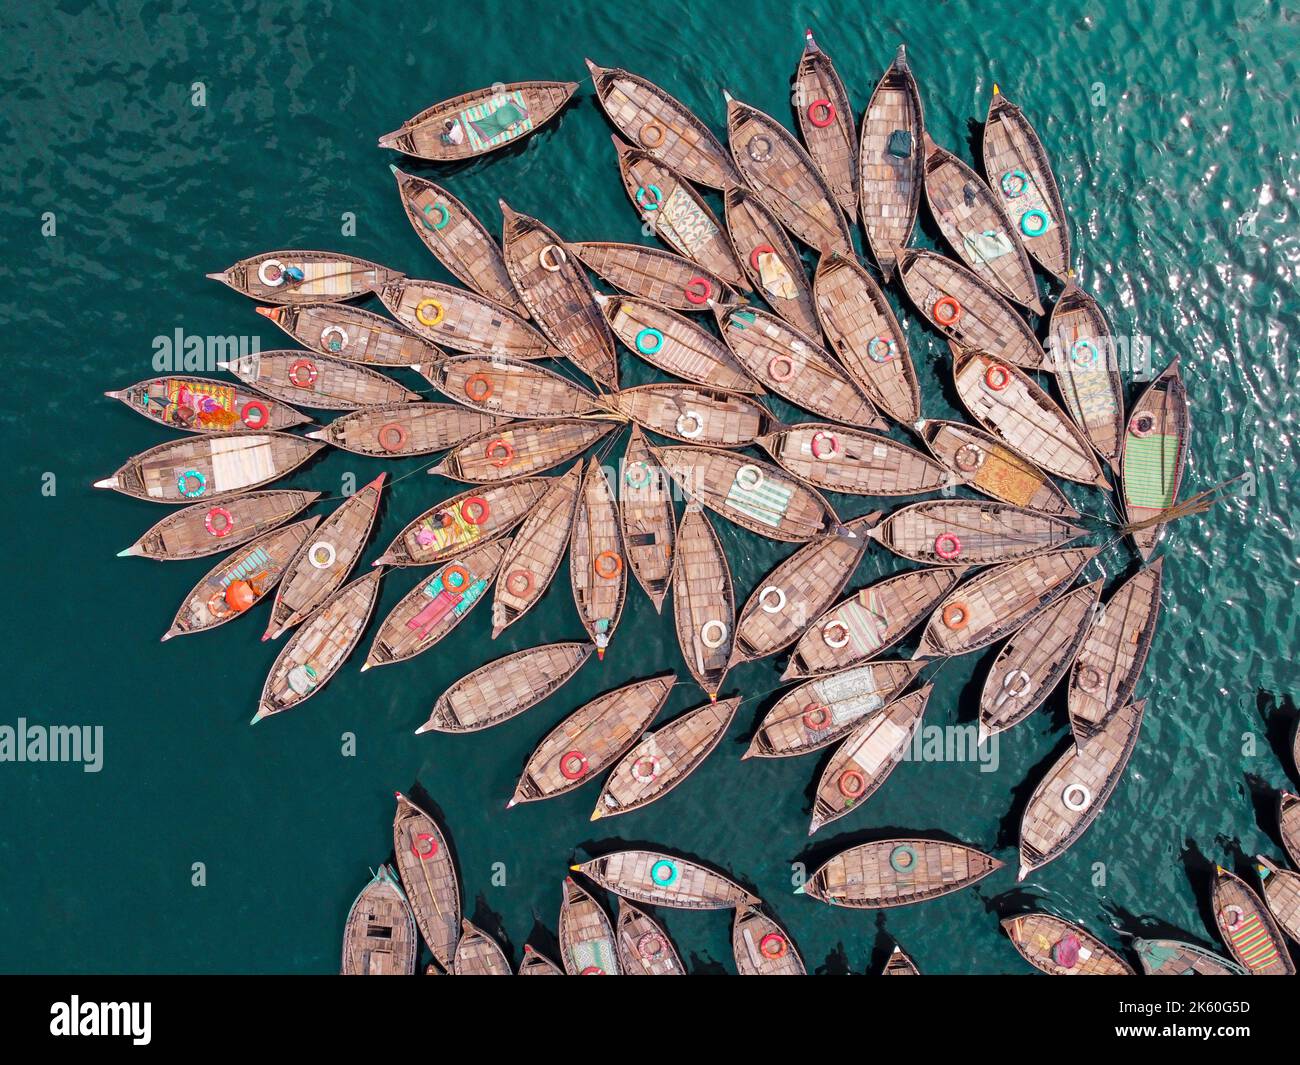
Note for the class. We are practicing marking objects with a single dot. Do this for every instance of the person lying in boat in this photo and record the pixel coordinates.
(452, 132)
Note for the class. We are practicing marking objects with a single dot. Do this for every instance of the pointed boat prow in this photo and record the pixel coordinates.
(107, 482)
(134, 549)
(595, 69)
(274, 313)
(219, 276)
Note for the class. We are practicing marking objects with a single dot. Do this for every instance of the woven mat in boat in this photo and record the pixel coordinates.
(865, 619)
(1253, 944)
(328, 279)
(459, 531)
(1087, 391)
(1149, 465)
(497, 120)
(238, 461)
(597, 952)
(775, 278)
(683, 223)
(766, 503)
(845, 696)
(1006, 481)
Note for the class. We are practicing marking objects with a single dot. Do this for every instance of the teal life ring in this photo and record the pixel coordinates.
(1014, 183)
(1084, 353)
(902, 859)
(641, 197)
(656, 338)
(882, 349)
(1037, 230)
(640, 481)
(664, 873)
(443, 212)
(200, 487)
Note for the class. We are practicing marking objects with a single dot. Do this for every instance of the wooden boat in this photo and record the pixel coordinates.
(1295, 751)
(1073, 792)
(664, 128)
(505, 687)
(659, 879)
(478, 954)
(400, 430)
(1252, 936)
(754, 494)
(521, 449)
(1033, 661)
(319, 647)
(240, 580)
(205, 405)
(591, 739)
(351, 334)
(324, 561)
(675, 344)
(825, 117)
(649, 520)
(536, 551)
(776, 167)
(865, 759)
(436, 605)
(704, 603)
(486, 119)
(694, 414)
(794, 366)
(291, 276)
(534, 963)
(510, 388)
(821, 711)
(769, 259)
(899, 964)
(869, 622)
(762, 947)
(653, 274)
(457, 239)
(678, 214)
(202, 529)
(1155, 453)
(317, 381)
(890, 164)
(1282, 893)
(474, 516)
(897, 872)
(463, 321)
(596, 555)
(214, 466)
(999, 600)
(970, 532)
(1113, 652)
(866, 336)
(1018, 168)
(1288, 815)
(379, 937)
(1059, 948)
(429, 875)
(644, 948)
(587, 944)
(1083, 356)
(854, 462)
(966, 310)
(976, 226)
(1171, 957)
(1006, 401)
(982, 463)
(664, 758)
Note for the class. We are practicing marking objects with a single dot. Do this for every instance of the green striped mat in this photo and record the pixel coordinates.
(1150, 463)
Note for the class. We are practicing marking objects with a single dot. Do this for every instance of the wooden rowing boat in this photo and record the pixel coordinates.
(836, 459)
(999, 600)
(664, 758)
(866, 336)
(825, 116)
(644, 948)
(762, 947)
(240, 580)
(966, 310)
(205, 405)
(695, 414)
(982, 463)
(324, 561)
(1155, 454)
(534, 963)
(704, 603)
(400, 430)
(1059, 948)
(776, 167)
(1006, 401)
(536, 551)
(754, 494)
(1288, 816)
(317, 381)
(1172, 957)
(214, 466)
(793, 365)
(1282, 893)
(474, 516)
(1113, 652)
(463, 321)
(558, 294)
(897, 872)
(976, 226)
(1295, 753)
(890, 164)
(291, 276)
(970, 532)
(478, 954)
(379, 937)
(485, 119)
(869, 622)
(1032, 663)
(597, 572)
(664, 128)
(1083, 355)
(201, 530)
(658, 879)
(436, 605)
(352, 334)
(654, 274)
(587, 944)
(1074, 791)
(1248, 928)
(319, 647)
(863, 762)
(899, 963)
(591, 739)
(649, 520)
(510, 388)
(505, 687)
(521, 449)
(825, 709)
(429, 875)
(769, 258)
(457, 239)
(1018, 168)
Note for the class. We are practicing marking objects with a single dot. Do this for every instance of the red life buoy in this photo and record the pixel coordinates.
(392, 437)
(698, 290)
(816, 717)
(483, 510)
(431, 840)
(258, 405)
(472, 389)
(462, 578)
(947, 545)
(592, 970)
(852, 783)
(753, 256)
(507, 453)
(227, 522)
(573, 765)
(946, 310)
(827, 110)
(303, 364)
(773, 946)
(997, 377)
(607, 572)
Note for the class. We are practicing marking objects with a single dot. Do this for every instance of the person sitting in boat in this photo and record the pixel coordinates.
(452, 132)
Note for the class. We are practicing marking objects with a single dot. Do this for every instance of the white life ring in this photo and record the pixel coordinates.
(322, 554)
(772, 590)
(330, 331)
(1082, 800)
(692, 418)
(832, 625)
(277, 279)
(708, 627)
(749, 477)
(551, 258)
(1023, 681)
(651, 764)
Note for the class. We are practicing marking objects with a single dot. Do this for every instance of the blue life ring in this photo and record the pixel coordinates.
(671, 873)
(198, 490)
(1036, 231)
(655, 335)
(641, 195)
(442, 210)
(902, 859)
(1085, 348)
(1014, 183)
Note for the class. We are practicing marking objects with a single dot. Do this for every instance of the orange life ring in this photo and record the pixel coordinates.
(386, 434)
(851, 783)
(698, 290)
(789, 368)
(753, 255)
(514, 577)
(816, 717)
(461, 572)
(473, 392)
(431, 840)
(607, 574)
(773, 946)
(573, 765)
(507, 453)
(258, 405)
(483, 510)
(312, 373)
(956, 616)
(643, 134)
(828, 110)
(997, 377)
(946, 310)
(227, 522)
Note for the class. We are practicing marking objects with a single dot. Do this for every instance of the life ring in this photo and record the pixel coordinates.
(1142, 424)
(818, 437)
(655, 336)
(947, 545)
(271, 273)
(835, 625)
(651, 945)
(651, 774)
(573, 765)
(458, 571)
(426, 319)
(946, 310)
(592, 970)
(605, 572)
(1037, 230)
(761, 249)
(443, 213)
(1076, 797)
(391, 436)
(641, 197)
(997, 377)
(255, 404)
(759, 148)
(474, 391)
(1232, 916)
(902, 859)
(828, 113)
(973, 460)
(1087, 349)
(694, 419)
(332, 331)
(1088, 679)
(710, 626)
(431, 840)
(664, 872)
(499, 445)
(475, 517)
(698, 290)
(1016, 677)
(772, 608)
(817, 717)
(200, 484)
(780, 360)
(956, 616)
(551, 258)
(643, 477)
(218, 607)
(851, 783)
(1014, 183)
(513, 579)
(773, 946)
(295, 373)
(643, 134)
(882, 349)
(227, 522)
(322, 554)
(749, 477)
